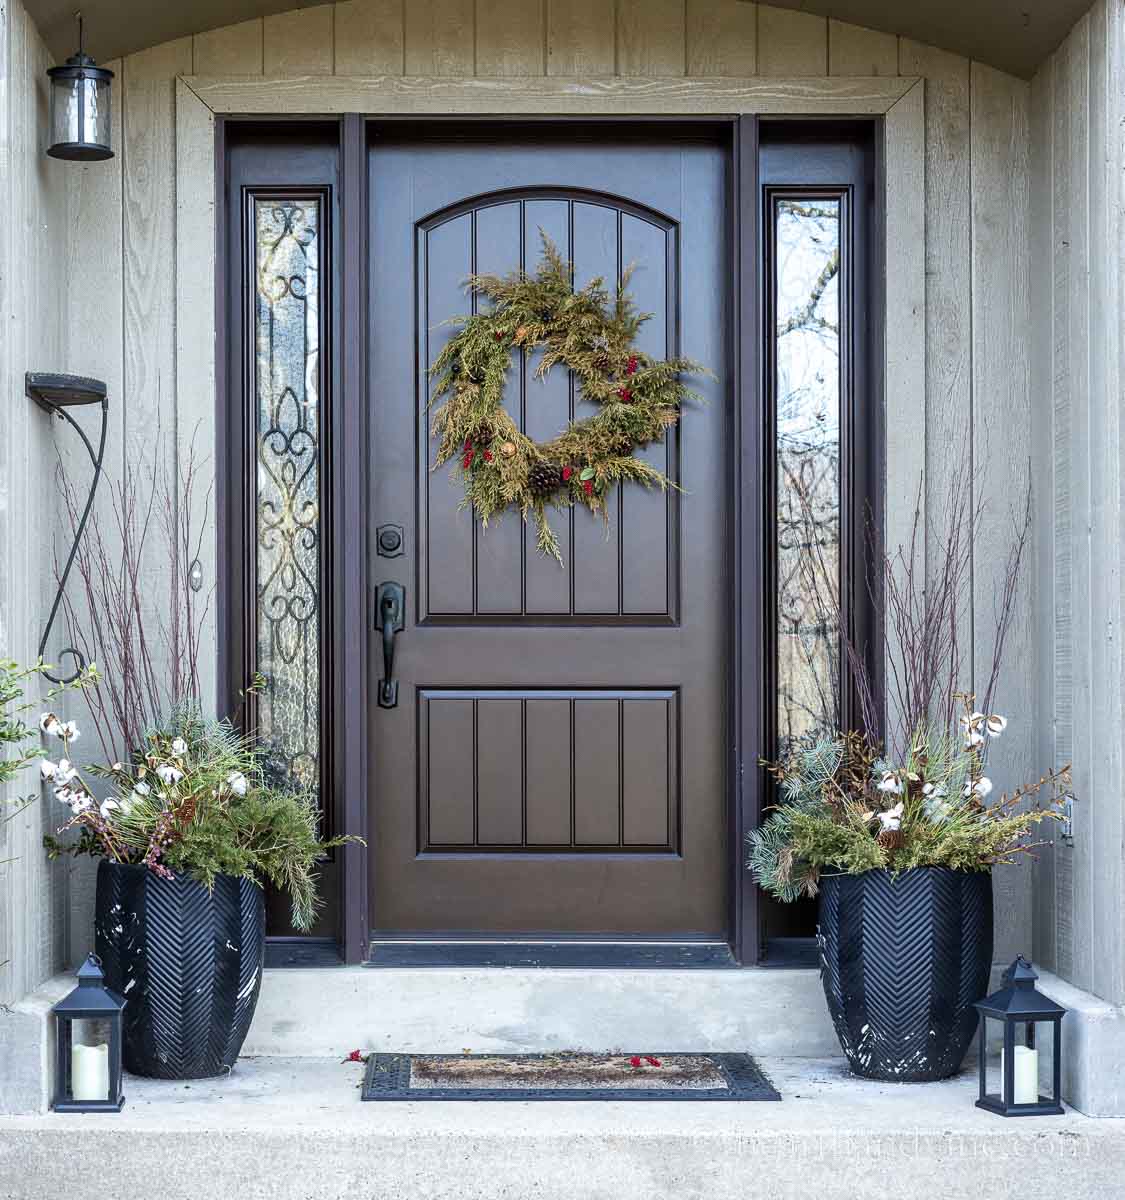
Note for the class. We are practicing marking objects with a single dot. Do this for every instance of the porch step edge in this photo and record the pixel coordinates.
(515, 1009)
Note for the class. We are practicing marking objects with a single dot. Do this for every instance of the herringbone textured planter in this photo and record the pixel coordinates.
(187, 961)
(902, 959)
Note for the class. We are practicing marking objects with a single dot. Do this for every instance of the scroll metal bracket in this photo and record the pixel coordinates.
(55, 394)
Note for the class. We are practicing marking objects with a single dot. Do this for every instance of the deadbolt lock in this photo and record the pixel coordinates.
(388, 540)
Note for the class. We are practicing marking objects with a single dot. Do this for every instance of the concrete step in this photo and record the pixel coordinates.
(295, 1129)
(766, 1011)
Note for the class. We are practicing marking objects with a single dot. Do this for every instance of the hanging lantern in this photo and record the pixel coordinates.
(1022, 1011)
(88, 1045)
(80, 108)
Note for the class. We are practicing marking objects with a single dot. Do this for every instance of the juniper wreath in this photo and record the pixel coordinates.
(639, 397)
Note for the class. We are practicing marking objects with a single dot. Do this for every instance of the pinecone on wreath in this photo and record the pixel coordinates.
(544, 478)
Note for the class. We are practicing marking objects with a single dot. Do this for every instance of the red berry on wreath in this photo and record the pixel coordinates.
(488, 456)
(625, 394)
(631, 369)
(567, 473)
(468, 444)
(589, 487)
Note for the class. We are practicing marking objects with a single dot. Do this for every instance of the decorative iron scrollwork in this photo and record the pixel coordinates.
(55, 394)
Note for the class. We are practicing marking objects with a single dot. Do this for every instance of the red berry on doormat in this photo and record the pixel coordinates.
(634, 1061)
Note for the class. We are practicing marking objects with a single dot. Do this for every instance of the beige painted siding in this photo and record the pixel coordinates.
(973, 358)
(1077, 261)
(33, 239)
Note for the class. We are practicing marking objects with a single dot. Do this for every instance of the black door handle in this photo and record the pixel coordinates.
(390, 615)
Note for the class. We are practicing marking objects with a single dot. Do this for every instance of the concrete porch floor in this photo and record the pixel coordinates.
(295, 1127)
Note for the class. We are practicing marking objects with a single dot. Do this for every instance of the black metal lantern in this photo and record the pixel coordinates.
(80, 108)
(1021, 1009)
(88, 1070)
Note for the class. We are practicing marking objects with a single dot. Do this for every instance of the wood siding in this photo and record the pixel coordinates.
(34, 254)
(1077, 259)
(152, 338)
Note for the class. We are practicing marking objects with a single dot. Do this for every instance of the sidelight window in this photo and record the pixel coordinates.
(806, 271)
(288, 505)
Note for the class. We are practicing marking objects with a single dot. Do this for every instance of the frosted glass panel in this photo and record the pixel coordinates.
(807, 350)
(288, 509)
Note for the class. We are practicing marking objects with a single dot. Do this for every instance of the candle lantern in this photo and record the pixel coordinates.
(1022, 1012)
(88, 1045)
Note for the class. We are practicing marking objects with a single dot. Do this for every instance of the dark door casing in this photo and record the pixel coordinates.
(556, 761)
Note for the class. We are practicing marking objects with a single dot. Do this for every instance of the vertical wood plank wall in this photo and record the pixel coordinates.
(1077, 254)
(975, 360)
(33, 195)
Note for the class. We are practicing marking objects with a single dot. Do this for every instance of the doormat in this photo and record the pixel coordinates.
(565, 1077)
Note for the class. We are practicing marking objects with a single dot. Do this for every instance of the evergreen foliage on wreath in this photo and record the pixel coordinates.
(639, 397)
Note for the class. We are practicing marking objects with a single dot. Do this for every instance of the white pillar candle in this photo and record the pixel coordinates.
(89, 1072)
(1025, 1075)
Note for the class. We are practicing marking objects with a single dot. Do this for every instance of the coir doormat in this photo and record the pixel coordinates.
(565, 1077)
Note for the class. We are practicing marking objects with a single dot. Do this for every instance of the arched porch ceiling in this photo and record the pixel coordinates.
(1014, 35)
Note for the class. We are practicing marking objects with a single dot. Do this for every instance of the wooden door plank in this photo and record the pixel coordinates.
(1000, 433)
(906, 317)
(1042, 447)
(791, 43)
(590, 94)
(1107, 207)
(439, 37)
(148, 90)
(650, 37)
(1103, 241)
(853, 50)
(368, 37)
(580, 37)
(195, 349)
(722, 37)
(231, 50)
(511, 37)
(298, 42)
(948, 414)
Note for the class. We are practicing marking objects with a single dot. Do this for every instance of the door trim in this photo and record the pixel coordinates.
(203, 106)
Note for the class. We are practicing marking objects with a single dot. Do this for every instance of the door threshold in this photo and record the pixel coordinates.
(623, 955)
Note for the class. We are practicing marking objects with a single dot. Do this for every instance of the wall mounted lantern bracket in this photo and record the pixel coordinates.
(55, 394)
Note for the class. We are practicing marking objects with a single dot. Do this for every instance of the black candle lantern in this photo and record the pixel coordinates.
(1020, 1009)
(80, 108)
(88, 1070)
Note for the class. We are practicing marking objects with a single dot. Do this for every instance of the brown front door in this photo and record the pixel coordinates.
(556, 761)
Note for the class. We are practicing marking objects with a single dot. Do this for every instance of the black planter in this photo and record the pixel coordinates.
(902, 959)
(187, 961)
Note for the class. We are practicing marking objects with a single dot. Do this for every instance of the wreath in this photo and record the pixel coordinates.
(639, 397)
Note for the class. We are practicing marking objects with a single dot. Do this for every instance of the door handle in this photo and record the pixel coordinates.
(390, 616)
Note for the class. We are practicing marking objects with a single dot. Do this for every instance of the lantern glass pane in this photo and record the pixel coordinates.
(89, 1060)
(80, 110)
(95, 128)
(65, 95)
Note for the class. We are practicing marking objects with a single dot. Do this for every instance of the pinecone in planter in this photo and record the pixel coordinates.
(892, 839)
(544, 478)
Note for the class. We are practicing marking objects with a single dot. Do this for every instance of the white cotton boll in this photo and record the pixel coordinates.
(996, 725)
(238, 783)
(169, 775)
(141, 788)
(107, 806)
(890, 783)
(69, 731)
(48, 769)
(179, 746)
(891, 820)
(49, 724)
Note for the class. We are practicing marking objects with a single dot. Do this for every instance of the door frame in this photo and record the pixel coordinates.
(203, 109)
